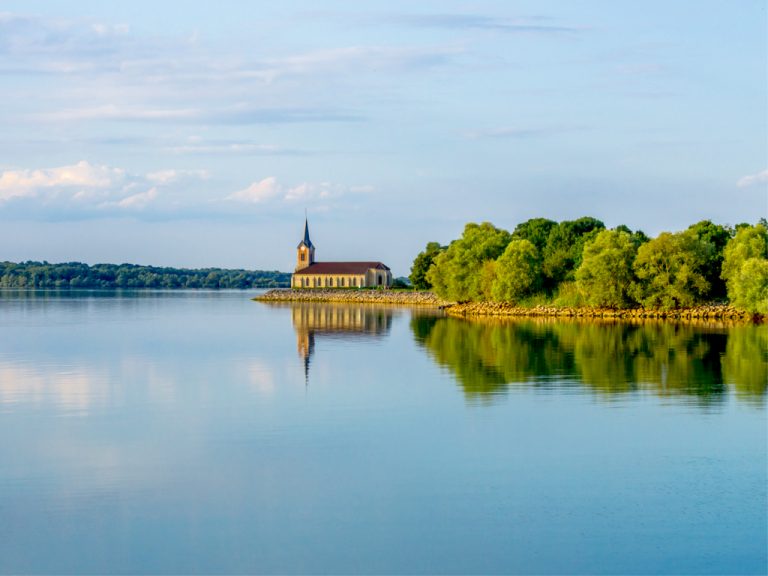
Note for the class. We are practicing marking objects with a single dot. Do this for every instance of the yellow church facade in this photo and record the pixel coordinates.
(312, 274)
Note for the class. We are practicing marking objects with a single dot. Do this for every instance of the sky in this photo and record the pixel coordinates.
(196, 134)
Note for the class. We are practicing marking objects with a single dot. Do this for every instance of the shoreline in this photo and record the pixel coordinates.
(354, 296)
(703, 312)
(502, 309)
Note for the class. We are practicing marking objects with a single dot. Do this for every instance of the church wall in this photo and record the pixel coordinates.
(368, 280)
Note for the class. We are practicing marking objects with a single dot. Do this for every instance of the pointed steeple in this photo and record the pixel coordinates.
(306, 242)
(305, 251)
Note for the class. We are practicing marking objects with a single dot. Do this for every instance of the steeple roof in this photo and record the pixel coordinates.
(306, 242)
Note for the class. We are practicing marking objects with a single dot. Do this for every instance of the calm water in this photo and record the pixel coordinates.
(192, 432)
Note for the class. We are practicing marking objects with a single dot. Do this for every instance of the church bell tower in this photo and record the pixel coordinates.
(305, 251)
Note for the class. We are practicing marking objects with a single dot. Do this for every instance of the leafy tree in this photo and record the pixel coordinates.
(456, 273)
(638, 238)
(536, 230)
(745, 269)
(518, 271)
(717, 236)
(421, 265)
(487, 279)
(669, 271)
(562, 253)
(605, 276)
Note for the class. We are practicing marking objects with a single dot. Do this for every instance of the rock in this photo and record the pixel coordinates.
(407, 298)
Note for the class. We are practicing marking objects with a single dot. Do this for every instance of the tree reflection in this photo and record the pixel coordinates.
(692, 361)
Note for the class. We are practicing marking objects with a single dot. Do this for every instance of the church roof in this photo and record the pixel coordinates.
(306, 241)
(341, 267)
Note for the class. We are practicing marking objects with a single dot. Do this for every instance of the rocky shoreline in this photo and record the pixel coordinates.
(404, 298)
(501, 309)
(706, 312)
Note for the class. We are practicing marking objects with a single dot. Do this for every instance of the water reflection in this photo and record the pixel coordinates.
(690, 361)
(313, 320)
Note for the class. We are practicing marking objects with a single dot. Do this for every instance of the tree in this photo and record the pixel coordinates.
(421, 265)
(536, 230)
(518, 271)
(638, 237)
(745, 269)
(669, 271)
(717, 236)
(605, 276)
(456, 273)
(562, 253)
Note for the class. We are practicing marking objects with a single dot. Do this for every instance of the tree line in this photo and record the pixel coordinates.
(582, 263)
(78, 275)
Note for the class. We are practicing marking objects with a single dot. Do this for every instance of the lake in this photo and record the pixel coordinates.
(200, 432)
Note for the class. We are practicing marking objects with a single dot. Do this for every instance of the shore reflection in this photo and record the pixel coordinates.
(688, 361)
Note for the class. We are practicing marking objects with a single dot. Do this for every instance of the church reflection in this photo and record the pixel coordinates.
(312, 321)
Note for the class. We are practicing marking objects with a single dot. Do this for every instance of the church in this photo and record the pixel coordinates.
(311, 274)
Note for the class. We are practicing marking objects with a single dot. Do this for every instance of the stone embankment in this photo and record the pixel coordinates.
(709, 312)
(405, 297)
(501, 309)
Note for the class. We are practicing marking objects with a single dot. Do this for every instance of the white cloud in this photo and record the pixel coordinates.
(168, 176)
(83, 176)
(257, 192)
(752, 179)
(307, 191)
(87, 188)
(138, 201)
(270, 189)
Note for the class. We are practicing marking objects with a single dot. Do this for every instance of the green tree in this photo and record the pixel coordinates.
(638, 237)
(718, 237)
(745, 269)
(421, 265)
(456, 273)
(605, 276)
(562, 253)
(536, 230)
(518, 271)
(669, 271)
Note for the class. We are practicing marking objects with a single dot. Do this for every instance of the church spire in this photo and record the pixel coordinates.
(307, 242)
(305, 251)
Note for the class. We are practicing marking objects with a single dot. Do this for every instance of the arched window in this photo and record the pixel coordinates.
(379, 279)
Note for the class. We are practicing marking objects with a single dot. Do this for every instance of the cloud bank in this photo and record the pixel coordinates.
(86, 188)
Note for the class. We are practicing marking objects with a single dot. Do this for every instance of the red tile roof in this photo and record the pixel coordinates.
(341, 267)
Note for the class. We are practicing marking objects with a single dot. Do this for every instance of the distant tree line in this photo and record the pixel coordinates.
(581, 263)
(78, 275)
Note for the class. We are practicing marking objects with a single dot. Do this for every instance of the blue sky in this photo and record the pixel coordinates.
(197, 133)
